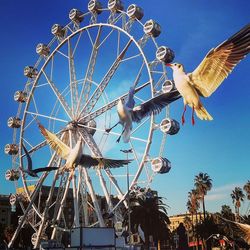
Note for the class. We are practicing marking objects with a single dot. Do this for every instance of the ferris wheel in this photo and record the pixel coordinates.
(80, 75)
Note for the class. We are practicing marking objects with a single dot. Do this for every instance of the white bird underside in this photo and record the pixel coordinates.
(212, 71)
(75, 156)
(136, 114)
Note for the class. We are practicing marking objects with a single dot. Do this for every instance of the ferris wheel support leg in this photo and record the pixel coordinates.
(35, 193)
(81, 189)
(76, 208)
(45, 213)
(53, 235)
(96, 151)
(93, 197)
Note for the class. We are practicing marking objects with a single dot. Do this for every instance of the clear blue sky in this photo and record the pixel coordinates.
(191, 28)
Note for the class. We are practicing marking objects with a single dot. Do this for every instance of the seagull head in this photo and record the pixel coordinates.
(176, 66)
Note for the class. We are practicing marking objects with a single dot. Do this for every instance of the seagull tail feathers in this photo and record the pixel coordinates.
(202, 113)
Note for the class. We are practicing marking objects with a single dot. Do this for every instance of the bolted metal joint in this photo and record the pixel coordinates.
(76, 16)
(115, 5)
(95, 6)
(165, 54)
(135, 12)
(152, 28)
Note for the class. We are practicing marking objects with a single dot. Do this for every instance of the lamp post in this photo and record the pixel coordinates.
(128, 151)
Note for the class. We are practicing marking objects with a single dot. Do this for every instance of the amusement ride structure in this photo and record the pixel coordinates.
(73, 90)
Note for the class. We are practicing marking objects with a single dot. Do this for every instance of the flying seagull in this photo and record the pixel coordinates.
(128, 113)
(240, 229)
(75, 156)
(214, 68)
(33, 172)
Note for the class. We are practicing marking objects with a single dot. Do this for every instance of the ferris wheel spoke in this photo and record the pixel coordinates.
(105, 38)
(59, 213)
(61, 99)
(77, 42)
(109, 106)
(86, 86)
(140, 125)
(160, 81)
(104, 82)
(131, 57)
(47, 205)
(46, 116)
(72, 77)
(61, 53)
(134, 153)
(94, 148)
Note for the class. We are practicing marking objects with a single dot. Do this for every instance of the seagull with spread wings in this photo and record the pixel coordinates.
(128, 113)
(75, 157)
(214, 68)
(33, 172)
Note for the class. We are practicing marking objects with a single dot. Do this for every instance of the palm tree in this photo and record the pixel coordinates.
(247, 189)
(226, 212)
(203, 184)
(237, 195)
(193, 206)
(150, 213)
(193, 203)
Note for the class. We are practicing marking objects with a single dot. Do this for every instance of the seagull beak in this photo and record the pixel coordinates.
(169, 65)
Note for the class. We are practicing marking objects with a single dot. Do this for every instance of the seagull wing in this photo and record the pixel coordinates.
(29, 167)
(242, 230)
(154, 105)
(89, 161)
(55, 143)
(46, 169)
(220, 62)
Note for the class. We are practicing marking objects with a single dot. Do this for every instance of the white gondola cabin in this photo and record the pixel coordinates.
(76, 16)
(58, 30)
(95, 6)
(167, 86)
(161, 165)
(30, 72)
(42, 49)
(135, 12)
(11, 149)
(14, 198)
(115, 5)
(20, 96)
(12, 175)
(169, 126)
(165, 54)
(14, 122)
(152, 28)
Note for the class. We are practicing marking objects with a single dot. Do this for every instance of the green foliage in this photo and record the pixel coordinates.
(150, 212)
